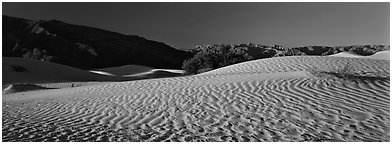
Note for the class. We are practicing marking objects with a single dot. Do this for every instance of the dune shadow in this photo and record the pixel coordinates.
(23, 87)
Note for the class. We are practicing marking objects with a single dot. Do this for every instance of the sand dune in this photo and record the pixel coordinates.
(44, 72)
(271, 99)
(382, 55)
(347, 54)
(101, 72)
(14, 88)
(299, 63)
(158, 73)
(124, 70)
(138, 71)
(52, 75)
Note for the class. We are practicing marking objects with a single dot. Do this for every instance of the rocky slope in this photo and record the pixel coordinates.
(84, 47)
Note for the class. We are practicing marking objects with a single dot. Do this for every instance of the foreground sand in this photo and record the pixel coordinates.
(263, 100)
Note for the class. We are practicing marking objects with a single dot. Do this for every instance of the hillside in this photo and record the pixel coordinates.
(84, 47)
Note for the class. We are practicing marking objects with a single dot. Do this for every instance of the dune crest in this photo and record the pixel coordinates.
(382, 55)
(125, 70)
(347, 54)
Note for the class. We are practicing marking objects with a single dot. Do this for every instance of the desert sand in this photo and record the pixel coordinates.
(272, 99)
(347, 54)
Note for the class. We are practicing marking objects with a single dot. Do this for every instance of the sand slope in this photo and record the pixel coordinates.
(347, 54)
(137, 71)
(382, 55)
(125, 70)
(263, 100)
(14, 88)
(43, 72)
(155, 73)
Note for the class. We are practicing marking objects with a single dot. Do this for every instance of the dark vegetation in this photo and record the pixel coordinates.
(215, 57)
(84, 47)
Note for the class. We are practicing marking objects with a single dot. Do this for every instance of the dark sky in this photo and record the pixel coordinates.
(185, 25)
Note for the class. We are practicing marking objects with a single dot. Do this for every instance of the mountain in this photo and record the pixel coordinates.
(84, 47)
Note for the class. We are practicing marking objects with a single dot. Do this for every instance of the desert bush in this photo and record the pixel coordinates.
(17, 68)
(346, 72)
(343, 72)
(215, 57)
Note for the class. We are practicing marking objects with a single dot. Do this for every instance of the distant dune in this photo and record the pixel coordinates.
(272, 99)
(347, 54)
(138, 71)
(25, 71)
(125, 70)
(382, 55)
(155, 73)
(14, 88)
(44, 72)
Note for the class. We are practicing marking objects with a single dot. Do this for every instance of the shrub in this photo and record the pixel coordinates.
(215, 57)
(340, 72)
(38, 54)
(344, 72)
(347, 73)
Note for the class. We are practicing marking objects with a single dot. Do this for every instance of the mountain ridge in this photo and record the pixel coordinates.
(84, 47)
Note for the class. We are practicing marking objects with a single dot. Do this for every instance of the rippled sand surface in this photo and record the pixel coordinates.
(263, 100)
